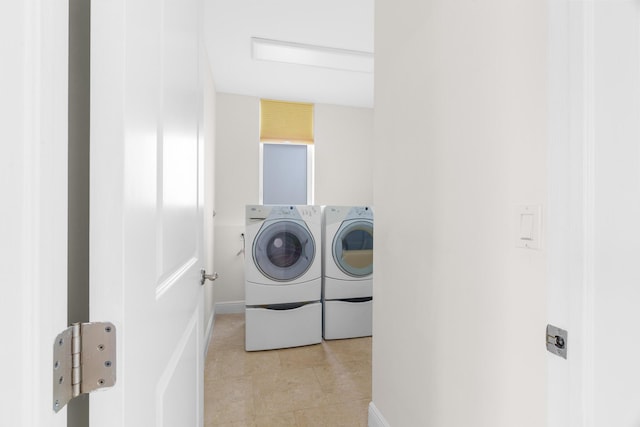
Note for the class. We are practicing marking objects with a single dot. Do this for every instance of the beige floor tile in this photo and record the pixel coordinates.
(274, 403)
(228, 389)
(320, 385)
(287, 419)
(349, 349)
(218, 412)
(227, 363)
(244, 423)
(336, 372)
(349, 414)
(305, 397)
(231, 343)
(344, 382)
(341, 393)
(287, 390)
(283, 379)
(303, 357)
(229, 325)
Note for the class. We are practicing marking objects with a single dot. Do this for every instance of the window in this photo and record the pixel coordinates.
(286, 153)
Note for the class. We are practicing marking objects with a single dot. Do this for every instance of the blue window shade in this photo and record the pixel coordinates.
(284, 169)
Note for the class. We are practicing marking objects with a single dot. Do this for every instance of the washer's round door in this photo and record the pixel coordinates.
(353, 248)
(284, 250)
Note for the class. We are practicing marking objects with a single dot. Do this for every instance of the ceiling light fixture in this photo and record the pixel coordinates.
(315, 56)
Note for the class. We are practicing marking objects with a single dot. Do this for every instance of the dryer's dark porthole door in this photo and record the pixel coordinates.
(283, 250)
(353, 248)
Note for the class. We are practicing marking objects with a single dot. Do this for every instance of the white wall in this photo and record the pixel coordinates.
(344, 155)
(460, 141)
(236, 186)
(343, 173)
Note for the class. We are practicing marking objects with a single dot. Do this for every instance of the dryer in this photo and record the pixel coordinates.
(347, 281)
(283, 276)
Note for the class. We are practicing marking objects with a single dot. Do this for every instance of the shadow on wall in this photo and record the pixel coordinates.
(229, 260)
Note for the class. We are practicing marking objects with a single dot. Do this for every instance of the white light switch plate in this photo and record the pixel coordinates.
(528, 226)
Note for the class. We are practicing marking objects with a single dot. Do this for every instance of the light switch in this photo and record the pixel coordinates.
(528, 226)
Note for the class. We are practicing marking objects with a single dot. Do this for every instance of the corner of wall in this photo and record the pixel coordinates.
(375, 417)
(230, 307)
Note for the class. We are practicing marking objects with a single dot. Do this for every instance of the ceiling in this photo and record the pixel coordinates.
(343, 24)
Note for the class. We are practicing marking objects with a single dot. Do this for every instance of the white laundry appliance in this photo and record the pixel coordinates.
(347, 282)
(283, 276)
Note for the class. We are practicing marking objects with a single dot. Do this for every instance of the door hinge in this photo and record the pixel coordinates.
(84, 360)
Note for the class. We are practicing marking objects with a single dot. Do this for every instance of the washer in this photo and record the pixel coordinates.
(283, 276)
(347, 282)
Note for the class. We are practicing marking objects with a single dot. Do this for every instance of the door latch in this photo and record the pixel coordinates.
(557, 341)
(204, 276)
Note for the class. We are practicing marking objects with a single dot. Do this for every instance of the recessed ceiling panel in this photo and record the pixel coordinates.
(334, 25)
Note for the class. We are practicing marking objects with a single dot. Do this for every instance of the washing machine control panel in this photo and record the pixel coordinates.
(300, 212)
(360, 212)
(256, 212)
(289, 212)
(309, 212)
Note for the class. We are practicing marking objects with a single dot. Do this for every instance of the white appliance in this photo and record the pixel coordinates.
(283, 276)
(347, 282)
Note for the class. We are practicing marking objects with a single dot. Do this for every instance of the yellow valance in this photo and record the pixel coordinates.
(282, 121)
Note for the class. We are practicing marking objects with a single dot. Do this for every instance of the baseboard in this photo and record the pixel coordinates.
(375, 417)
(209, 331)
(229, 307)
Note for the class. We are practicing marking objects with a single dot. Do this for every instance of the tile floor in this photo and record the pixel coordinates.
(328, 384)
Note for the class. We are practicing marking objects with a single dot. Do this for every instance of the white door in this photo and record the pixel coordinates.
(33, 208)
(594, 231)
(146, 208)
